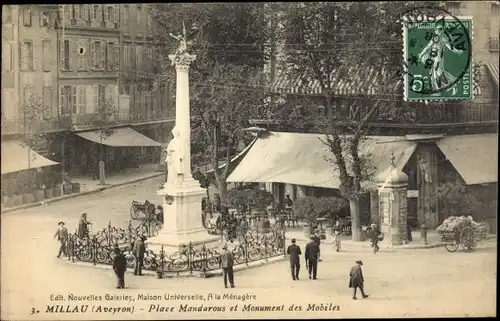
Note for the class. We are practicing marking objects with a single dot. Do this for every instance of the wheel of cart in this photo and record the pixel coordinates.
(451, 240)
(468, 239)
(134, 212)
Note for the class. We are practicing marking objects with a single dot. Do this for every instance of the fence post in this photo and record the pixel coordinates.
(109, 233)
(246, 249)
(190, 254)
(69, 247)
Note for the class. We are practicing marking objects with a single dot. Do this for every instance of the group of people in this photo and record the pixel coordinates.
(62, 234)
(120, 262)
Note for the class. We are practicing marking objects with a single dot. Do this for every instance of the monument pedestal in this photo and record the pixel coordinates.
(182, 219)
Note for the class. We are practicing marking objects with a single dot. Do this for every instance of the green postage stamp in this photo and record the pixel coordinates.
(438, 58)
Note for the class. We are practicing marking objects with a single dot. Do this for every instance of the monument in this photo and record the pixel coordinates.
(392, 189)
(181, 194)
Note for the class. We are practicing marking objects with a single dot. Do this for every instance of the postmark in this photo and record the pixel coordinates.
(437, 55)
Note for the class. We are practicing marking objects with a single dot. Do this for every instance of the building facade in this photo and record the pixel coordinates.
(75, 59)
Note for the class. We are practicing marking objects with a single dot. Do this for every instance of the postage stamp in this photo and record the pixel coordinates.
(438, 58)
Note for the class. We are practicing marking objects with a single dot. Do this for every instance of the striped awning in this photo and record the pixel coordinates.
(493, 68)
(361, 81)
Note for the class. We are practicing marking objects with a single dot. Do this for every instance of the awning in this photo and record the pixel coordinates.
(493, 68)
(17, 157)
(296, 158)
(235, 160)
(121, 137)
(475, 157)
(356, 81)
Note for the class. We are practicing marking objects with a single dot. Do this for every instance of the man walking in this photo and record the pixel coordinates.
(294, 252)
(62, 237)
(227, 263)
(356, 280)
(312, 255)
(374, 237)
(139, 250)
(119, 266)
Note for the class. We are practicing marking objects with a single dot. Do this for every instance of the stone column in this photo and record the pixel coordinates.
(392, 185)
(182, 200)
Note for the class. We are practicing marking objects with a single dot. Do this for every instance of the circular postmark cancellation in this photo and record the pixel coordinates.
(437, 55)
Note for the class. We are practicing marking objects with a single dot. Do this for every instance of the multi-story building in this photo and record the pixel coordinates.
(441, 142)
(76, 59)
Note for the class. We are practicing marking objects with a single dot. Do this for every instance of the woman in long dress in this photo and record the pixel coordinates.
(434, 51)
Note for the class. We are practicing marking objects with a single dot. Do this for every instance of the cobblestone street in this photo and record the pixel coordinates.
(427, 282)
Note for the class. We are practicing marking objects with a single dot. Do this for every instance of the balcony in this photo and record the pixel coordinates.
(493, 41)
(12, 127)
(82, 122)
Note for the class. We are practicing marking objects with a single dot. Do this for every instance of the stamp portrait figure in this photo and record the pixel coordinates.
(434, 51)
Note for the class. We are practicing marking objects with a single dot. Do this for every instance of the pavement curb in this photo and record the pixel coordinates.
(170, 275)
(70, 196)
(395, 248)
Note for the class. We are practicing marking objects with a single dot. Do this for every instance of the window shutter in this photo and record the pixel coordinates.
(116, 97)
(117, 57)
(88, 54)
(93, 55)
(76, 11)
(95, 92)
(85, 14)
(88, 99)
(73, 56)
(74, 109)
(103, 54)
(61, 100)
(115, 12)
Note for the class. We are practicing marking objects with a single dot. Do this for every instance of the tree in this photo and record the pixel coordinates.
(325, 42)
(103, 120)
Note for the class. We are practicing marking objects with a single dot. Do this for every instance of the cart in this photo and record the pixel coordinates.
(466, 237)
(145, 208)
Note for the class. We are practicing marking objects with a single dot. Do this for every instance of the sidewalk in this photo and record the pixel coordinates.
(433, 240)
(89, 186)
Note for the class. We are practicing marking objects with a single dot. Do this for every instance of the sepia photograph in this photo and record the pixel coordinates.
(253, 160)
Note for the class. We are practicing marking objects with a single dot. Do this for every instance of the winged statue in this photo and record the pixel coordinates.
(183, 40)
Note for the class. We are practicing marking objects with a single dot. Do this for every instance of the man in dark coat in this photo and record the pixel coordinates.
(227, 262)
(83, 229)
(119, 266)
(62, 237)
(139, 250)
(312, 255)
(374, 235)
(356, 279)
(294, 252)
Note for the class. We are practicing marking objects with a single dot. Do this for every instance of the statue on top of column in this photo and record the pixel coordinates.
(175, 159)
(183, 43)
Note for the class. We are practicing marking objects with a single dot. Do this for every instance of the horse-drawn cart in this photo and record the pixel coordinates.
(461, 232)
(145, 208)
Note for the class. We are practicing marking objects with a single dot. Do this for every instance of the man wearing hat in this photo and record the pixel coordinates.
(227, 262)
(312, 256)
(139, 251)
(356, 279)
(119, 266)
(62, 237)
(294, 252)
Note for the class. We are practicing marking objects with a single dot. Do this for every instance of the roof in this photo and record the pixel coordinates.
(475, 157)
(121, 137)
(301, 159)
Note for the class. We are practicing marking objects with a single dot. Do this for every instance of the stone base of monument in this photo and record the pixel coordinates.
(182, 219)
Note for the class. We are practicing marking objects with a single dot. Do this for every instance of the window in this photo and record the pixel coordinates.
(47, 102)
(126, 56)
(81, 99)
(107, 13)
(94, 12)
(109, 56)
(82, 57)
(65, 100)
(85, 9)
(7, 14)
(150, 23)
(101, 95)
(117, 57)
(9, 107)
(47, 55)
(95, 97)
(98, 54)
(138, 56)
(89, 99)
(27, 56)
(7, 56)
(126, 14)
(65, 55)
(44, 19)
(27, 17)
(139, 19)
(78, 10)
(115, 13)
